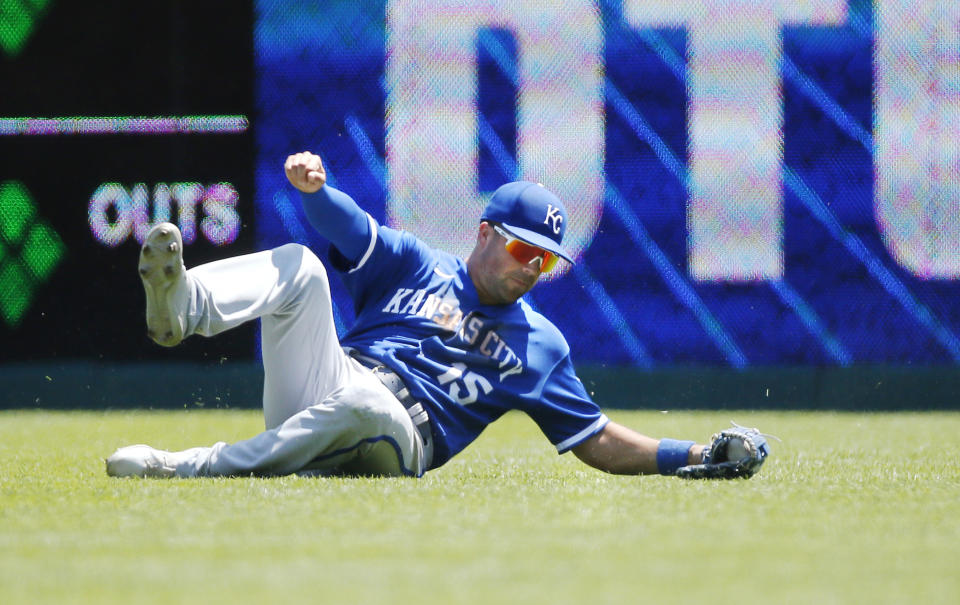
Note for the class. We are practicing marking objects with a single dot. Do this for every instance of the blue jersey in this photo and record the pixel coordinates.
(467, 363)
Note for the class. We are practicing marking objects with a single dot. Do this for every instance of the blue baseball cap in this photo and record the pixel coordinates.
(529, 212)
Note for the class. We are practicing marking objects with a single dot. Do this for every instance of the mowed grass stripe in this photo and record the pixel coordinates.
(850, 508)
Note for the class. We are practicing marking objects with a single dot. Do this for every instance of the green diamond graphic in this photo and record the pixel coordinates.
(29, 251)
(42, 251)
(16, 210)
(18, 18)
(15, 293)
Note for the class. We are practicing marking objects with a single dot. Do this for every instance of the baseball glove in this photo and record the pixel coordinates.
(732, 453)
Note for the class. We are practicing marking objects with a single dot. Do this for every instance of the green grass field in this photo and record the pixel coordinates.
(851, 508)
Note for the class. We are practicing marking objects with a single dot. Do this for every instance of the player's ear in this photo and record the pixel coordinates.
(484, 233)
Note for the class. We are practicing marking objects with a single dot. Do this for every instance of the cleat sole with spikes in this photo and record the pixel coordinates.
(164, 283)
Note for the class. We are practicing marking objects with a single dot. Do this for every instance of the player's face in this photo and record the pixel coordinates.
(498, 277)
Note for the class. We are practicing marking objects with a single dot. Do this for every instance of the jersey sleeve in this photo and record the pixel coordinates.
(565, 413)
(337, 217)
(389, 256)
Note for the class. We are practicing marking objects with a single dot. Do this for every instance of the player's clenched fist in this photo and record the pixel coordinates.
(305, 171)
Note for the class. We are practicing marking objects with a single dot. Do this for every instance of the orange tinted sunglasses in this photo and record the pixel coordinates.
(527, 253)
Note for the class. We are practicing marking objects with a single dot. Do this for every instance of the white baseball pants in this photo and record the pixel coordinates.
(323, 410)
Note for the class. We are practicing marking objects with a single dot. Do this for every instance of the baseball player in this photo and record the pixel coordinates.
(441, 348)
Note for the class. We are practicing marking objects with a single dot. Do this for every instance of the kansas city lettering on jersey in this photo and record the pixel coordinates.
(446, 313)
(492, 345)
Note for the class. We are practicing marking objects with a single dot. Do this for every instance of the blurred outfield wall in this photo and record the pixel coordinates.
(763, 194)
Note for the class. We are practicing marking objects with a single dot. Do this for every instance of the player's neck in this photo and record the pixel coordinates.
(473, 270)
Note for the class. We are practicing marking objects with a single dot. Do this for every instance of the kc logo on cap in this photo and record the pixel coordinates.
(530, 212)
(553, 218)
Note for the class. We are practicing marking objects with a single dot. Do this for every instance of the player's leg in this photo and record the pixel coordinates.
(215, 297)
(303, 362)
(360, 429)
(207, 299)
(287, 287)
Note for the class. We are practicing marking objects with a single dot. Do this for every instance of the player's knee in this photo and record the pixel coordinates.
(367, 409)
(374, 417)
(296, 255)
(299, 264)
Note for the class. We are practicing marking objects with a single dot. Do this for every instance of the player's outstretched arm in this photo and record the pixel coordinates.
(333, 213)
(622, 451)
(737, 452)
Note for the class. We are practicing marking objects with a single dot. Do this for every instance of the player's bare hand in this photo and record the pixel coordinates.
(305, 171)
